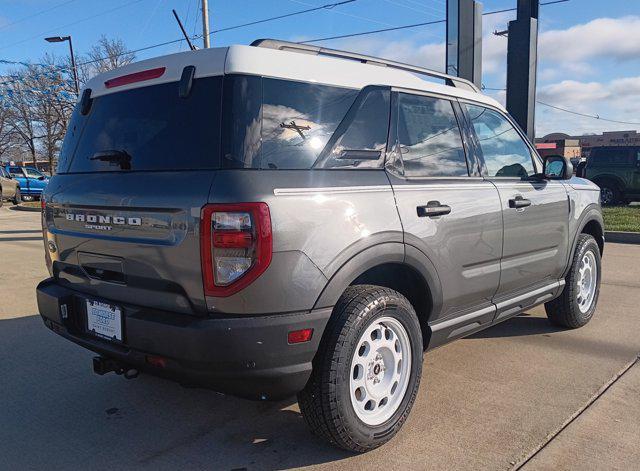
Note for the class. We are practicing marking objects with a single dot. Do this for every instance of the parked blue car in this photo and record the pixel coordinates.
(31, 180)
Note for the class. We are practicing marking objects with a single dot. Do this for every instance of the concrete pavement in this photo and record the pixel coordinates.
(496, 400)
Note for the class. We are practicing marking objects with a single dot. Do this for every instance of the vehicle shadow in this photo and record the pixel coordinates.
(518, 326)
(56, 413)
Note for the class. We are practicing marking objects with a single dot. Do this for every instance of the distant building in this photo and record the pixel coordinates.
(580, 146)
(565, 147)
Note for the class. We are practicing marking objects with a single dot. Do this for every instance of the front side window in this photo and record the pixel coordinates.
(505, 152)
(429, 137)
(33, 173)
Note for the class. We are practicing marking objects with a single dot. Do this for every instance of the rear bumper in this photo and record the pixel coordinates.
(242, 356)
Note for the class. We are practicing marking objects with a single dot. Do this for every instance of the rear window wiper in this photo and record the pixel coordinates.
(120, 157)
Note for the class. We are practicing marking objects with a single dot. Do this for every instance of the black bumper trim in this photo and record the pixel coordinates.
(242, 356)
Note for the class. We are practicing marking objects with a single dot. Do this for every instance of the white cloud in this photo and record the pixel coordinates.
(618, 99)
(587, 53)
(613, 38)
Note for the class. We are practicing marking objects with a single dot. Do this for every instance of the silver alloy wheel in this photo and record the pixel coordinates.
(587, 281)
(380, 370)
(606, 195)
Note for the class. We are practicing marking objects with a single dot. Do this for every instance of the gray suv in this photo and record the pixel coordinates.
(276, 219)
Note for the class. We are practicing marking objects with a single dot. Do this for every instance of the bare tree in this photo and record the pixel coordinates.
(106, 55)
(7, 136)
(36, 106)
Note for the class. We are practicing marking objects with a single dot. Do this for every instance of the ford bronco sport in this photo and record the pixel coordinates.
(275, 219)
(616, 170)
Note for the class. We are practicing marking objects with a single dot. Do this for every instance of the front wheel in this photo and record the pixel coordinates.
(577, 303)
(367, 370)
(609, 194)
(17, 199)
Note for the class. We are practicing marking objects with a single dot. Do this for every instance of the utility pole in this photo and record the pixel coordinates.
(205, 23)
(522, 64)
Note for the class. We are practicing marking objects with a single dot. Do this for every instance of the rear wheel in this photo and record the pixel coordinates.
(17, 199)
(367, 370)
(577, 303)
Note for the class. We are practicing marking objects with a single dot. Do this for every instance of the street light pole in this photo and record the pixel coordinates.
(59, 39)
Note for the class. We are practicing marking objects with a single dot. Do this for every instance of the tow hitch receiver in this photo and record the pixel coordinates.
(102, 366)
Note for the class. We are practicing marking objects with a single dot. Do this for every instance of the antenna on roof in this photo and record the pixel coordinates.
(186, 36)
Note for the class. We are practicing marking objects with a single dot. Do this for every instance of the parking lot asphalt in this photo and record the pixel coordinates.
(521, 394)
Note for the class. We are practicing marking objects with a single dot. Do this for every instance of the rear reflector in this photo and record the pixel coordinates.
(135, 77)
(300, 336)
(154, 360)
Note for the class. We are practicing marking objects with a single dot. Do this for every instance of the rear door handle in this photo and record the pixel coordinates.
(519, 202)
(432, 209)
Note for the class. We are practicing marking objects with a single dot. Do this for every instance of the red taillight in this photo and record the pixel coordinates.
(235, 246)
(300, 336)
(232, 239)
(43, 203)
(135, 77)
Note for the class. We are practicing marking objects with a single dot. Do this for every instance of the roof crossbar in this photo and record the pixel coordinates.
(450, 80)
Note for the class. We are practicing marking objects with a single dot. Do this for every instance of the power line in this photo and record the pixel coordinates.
(415, 25)
(36, 14)
(596, 116)
(105, 12)
(300, 12)
(328, 6)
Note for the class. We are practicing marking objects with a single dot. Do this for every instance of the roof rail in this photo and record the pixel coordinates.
(450, 80)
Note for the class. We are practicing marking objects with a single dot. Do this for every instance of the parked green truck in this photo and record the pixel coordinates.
(616, 170)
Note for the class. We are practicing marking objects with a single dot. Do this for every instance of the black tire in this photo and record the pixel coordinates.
(17, 199)
(564, 311)
(609, 193)
(325, 402)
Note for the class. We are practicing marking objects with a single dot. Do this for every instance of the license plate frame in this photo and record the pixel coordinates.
(105, 320)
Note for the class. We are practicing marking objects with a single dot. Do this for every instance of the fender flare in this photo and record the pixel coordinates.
(389, 252)
(610, 177)
(592, 213)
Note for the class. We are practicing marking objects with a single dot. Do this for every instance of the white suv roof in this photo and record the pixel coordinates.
(283, 64)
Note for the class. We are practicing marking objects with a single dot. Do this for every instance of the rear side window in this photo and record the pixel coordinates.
(298, 120)
(16, 172)
(505, 152)
(361, 138)
(156, 128)
(429, 137)
(614, 155)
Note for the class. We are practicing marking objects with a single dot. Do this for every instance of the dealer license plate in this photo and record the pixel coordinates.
(104, 320)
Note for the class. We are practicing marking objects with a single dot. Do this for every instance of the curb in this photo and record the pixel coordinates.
(622, 237)
(25, 208)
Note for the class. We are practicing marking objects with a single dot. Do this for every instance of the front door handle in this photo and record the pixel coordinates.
(433, 209)
(519, 202)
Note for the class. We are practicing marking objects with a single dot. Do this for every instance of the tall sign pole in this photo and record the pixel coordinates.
(464, 40)
(522, 65)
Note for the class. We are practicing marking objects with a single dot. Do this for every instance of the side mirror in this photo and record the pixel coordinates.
(557, 167)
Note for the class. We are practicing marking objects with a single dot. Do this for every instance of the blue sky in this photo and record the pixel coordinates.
(589, 49)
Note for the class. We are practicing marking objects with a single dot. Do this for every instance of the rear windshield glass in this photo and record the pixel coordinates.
(149, 128)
